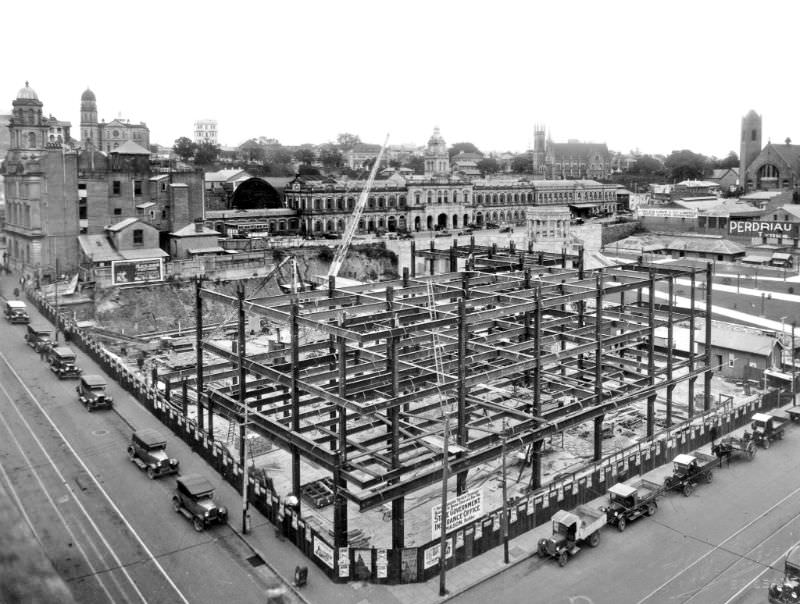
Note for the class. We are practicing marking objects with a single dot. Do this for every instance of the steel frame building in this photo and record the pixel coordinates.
(529, 341)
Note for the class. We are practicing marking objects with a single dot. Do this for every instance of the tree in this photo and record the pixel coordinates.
(330, 156)
(306, 155)
(416, 163)
(253, 151)
(347, 141)
(685, 165)
(521, 164)
(465, 147)
(307, 170)
(647, 165)
(206, 153)
(731, 161)
(488, 165)
(184, 148)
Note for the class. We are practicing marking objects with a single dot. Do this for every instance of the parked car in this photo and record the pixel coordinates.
(62, 362)
(506, 229)
(766, 428)
(465, 232)
(627, 502)
(38, 337)
(92, 392)
(194, 498)
(492, 225)
(148, 450)
(16, 312)
(582, 525)
(688, 471)
(788, 590)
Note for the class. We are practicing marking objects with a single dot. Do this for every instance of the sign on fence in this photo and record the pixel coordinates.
(137, 271)
(460, 511)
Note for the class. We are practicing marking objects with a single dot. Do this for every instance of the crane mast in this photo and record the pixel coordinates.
(350, 229)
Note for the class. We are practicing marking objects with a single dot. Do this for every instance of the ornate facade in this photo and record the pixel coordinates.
(108, 136)
(570, 160)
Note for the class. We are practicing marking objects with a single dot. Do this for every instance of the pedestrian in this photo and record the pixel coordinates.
(16, 292)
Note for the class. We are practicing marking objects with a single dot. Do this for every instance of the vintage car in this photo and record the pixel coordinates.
(148, 450)
(62, 362)
(17, 312)
(788, 590)
(92, 392)
(194, 498)
(38, 337)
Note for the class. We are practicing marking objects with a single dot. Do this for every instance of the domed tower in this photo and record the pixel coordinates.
(26, 127)
(437, 160)
(89, 129)
(750, 145)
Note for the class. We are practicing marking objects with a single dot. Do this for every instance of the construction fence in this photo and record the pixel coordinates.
(419, 564)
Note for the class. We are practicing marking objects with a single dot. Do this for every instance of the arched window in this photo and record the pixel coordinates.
(339, 203)
(351, 203)
(402, 201)
(372, 203)
(381, 202)
(329, 226)
(317, 204)
(430, 196)
(317, 226)
(32, 140)
(329, 204)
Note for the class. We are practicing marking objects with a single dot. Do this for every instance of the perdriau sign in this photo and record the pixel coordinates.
(460, 511)
(762, 227)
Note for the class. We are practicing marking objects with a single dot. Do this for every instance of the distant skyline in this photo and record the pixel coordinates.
(654, 76)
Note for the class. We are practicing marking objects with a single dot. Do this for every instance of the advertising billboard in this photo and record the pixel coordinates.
(762, 227)
(137, 271)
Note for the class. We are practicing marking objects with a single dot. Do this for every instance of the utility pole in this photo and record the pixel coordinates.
(243, 403)
(443, 537)
(505, 497)
(56, 301)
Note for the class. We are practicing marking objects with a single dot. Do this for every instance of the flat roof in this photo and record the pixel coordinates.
(683, 458)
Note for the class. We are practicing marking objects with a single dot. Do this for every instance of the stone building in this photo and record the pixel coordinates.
(108, 136)
(205, 131)
(570, 160)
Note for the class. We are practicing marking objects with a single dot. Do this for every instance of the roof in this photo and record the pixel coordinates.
(683, 458)
(781, 256)
(793, 209)
(122, 224)
(15, 304)
(564, 517)
(226, 175)
(722, 336)
(93, 380)
(761, 417)
(130, 148)
(622, 489)
(196, 484)
(146, 253)
(703, 184)
(98, 248)
(191, 231)
(145, 205)
(207, 250)
(63, 351)
(752, 259)
(150, 437)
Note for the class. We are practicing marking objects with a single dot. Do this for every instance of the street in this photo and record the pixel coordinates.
(724, 544)
(109, 531)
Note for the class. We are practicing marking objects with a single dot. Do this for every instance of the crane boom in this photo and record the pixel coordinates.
(350, 229)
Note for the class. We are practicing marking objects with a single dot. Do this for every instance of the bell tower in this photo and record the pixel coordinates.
(750, 144)
(89, 128)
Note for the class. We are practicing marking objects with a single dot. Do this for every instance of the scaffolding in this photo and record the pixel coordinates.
(528, 341)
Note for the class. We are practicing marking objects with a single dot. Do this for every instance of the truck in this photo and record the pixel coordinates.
(148, 450)
(688, 471)
(194, 498)
(16, 312)
(582, 525)
(788, 590)
(766, 428)
(628, 502)
(730, 446)
(62, 362)
(38, 337)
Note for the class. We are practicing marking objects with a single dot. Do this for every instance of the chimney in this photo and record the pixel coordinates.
(198, 225)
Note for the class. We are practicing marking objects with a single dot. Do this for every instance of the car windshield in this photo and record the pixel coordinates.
(97, 389)
(679, 467)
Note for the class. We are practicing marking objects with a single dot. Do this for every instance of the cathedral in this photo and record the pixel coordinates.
(773, 167)
(108, 136)
(570, 160)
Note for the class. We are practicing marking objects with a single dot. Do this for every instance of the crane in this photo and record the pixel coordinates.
(350, 229)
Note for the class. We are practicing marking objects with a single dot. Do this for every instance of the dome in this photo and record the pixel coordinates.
(88, 95)
(27, 93)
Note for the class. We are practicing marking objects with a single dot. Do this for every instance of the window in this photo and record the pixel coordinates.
(137, 187)
(138, 237)
(731, 361)
(116, 187)
(117, 211)
(752, 138)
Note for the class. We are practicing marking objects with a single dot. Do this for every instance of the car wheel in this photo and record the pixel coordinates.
(131, 454)
(198, 524)
(594, 539)
(150, 473)
(542, 549)
(709, 477)
(688, 490)
(176, 504)
(651, 509)
(766, 443)
(621, 524)
(562, 558)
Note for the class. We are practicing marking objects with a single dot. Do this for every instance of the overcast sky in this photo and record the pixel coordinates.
(656, 76)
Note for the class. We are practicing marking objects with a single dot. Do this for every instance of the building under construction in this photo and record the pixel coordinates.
(382, 381)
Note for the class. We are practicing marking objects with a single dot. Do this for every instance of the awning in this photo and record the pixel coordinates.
(145, 205)
(781, 256)
(778, 374)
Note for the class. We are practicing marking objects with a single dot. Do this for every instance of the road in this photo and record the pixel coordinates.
(109, 531)
(724, 544)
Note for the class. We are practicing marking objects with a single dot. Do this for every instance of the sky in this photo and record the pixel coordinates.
(652, 76)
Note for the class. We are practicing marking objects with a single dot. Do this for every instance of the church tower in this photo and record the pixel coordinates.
(89, 128)
(539, 149)
(26, 128)
(437, 160)
(750, 144)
